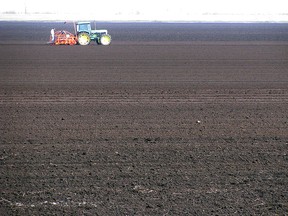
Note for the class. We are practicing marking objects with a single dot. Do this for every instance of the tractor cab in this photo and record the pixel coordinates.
(85, 34)
(83, 27)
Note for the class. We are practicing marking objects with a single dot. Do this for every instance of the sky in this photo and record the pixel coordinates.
(151, 9)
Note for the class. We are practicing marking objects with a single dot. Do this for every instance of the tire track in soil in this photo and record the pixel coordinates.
(281, 96)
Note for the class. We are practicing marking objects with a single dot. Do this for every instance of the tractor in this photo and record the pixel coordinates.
(85, 34)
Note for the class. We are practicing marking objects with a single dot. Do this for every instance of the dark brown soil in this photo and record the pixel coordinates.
(170, 119)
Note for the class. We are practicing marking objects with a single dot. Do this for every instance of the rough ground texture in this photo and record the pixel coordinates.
(170, 119)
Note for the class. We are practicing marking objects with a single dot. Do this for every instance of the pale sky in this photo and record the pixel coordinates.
(148, 9)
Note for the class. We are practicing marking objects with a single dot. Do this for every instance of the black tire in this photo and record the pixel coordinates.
(105, 39)
(84, 38)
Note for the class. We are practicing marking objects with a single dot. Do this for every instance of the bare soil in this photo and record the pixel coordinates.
(170, 119)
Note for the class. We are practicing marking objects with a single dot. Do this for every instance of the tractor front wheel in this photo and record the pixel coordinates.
(83, 38)
(105, 39)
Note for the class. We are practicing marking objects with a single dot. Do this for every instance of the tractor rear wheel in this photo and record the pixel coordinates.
(105, 39)
(83, 38)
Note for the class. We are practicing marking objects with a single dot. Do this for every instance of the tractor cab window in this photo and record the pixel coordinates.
(84, 27)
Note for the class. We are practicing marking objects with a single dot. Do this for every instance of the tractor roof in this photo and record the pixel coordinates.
(83, 23)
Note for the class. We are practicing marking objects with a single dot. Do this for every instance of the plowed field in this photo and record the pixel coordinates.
(170, 119)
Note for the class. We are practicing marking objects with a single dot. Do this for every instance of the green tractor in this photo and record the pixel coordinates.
(85, 34)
